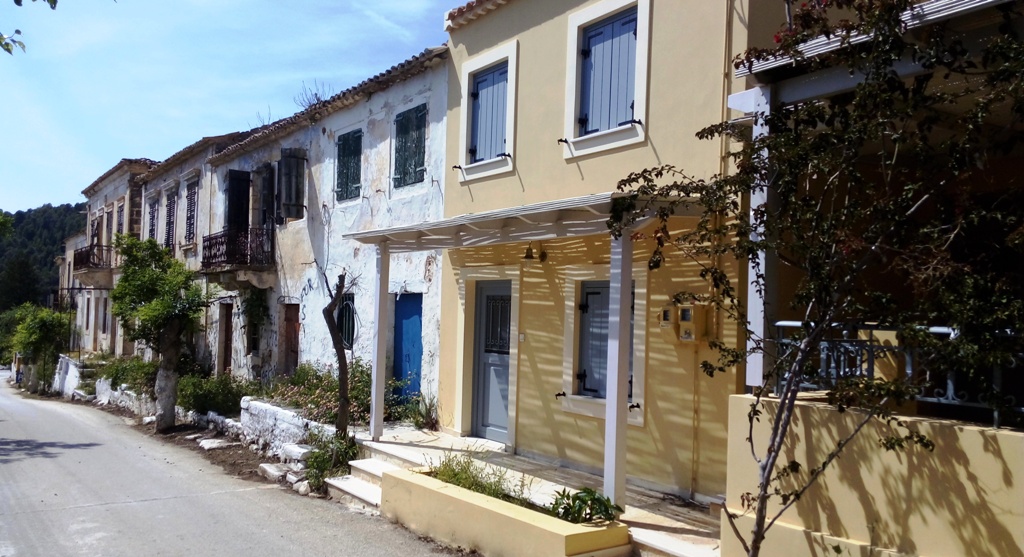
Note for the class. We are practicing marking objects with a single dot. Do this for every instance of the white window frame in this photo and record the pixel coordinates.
(629, 134)
(509, 53)
(573, 276)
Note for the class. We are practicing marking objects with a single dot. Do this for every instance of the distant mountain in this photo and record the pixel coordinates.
(27, 269)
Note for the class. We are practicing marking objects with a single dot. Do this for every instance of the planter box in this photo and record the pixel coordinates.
(495, 528)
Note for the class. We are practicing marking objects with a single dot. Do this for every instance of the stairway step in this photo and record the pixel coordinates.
(371, 470)
(353, 491)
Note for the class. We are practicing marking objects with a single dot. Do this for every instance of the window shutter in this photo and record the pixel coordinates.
(109, 221)
(608, 73)
(191, 199)
(488, 114)
(120, 219)
(350, 152)
(347, 319)
(291, 172)
(410, 146)
(172, 207)
(268, 200)
(154, 209)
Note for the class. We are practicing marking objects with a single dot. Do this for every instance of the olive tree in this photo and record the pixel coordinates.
(158, 304)
(890, 203)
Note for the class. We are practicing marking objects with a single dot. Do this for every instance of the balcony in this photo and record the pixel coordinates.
(94, 266)
(234, 256)
(990, 395)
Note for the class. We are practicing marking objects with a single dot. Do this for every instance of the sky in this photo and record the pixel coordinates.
(104, 80)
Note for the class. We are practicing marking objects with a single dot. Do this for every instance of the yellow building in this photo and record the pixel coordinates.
(964, 498)
(556, 339)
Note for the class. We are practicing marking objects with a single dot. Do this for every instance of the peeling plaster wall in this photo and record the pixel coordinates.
(313, 247)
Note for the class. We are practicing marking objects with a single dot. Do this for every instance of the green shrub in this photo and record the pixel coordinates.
(586, 505)
(313, 390)
(462, 470)
(221, 394)
(331, 455)
(138, 374)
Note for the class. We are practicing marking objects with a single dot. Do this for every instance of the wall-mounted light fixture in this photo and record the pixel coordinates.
(529, 257)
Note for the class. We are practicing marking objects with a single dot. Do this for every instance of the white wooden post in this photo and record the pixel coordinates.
(757, 101)
(617, 401)
(380, 344)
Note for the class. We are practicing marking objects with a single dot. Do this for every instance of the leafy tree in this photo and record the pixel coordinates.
(157, 303)
(9, 321)
(40, 337)
(7, 43)
(40, 233)
(19, 282)
(897, 202)
(6, 225)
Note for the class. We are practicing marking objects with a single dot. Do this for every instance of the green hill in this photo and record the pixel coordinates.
(27, 270)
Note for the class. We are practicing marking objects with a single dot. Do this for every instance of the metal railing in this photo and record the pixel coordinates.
(251, 247)
(94, 257)
(857, 351)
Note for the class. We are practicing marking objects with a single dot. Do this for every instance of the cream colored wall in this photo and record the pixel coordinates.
(965, 498)
(680, 446)
(686, 93)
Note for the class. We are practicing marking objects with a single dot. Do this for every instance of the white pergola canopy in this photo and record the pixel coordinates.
(564, 218)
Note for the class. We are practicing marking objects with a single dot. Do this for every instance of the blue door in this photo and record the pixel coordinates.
(409, 341)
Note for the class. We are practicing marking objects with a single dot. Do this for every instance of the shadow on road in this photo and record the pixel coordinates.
(13, 450)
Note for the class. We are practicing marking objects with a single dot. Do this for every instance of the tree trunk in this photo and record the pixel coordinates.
(330, 313)
(166, 389)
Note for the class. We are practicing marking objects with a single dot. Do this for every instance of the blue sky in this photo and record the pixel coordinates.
(103, 81)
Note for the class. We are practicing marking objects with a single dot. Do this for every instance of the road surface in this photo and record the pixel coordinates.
(78, 481)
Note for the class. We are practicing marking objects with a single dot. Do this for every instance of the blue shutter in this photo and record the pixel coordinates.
(608, 73)
(490, 102)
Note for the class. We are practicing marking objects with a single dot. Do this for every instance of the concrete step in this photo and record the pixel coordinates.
(401, 457)
(273, 471)
(354, 492)
(371, 470)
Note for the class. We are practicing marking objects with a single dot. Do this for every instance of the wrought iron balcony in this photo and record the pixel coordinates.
(251, 247)
(859, 352)
(94, 257)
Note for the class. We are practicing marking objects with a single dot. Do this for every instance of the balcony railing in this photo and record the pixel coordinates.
(94, 257)
(860, 352)
(252, 247)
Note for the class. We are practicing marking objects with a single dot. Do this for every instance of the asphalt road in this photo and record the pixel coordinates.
(78, 481)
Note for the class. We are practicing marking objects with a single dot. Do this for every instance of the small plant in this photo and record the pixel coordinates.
(422, 410)
(463, 471)
(586, 505)
(221, 394)
(137, 374)
(313, 389)
(330, 457)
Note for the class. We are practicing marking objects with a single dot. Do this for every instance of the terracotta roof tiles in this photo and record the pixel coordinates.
(399, 72)
(466, 13)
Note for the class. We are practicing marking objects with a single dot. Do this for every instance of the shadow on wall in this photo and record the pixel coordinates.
(962, 498)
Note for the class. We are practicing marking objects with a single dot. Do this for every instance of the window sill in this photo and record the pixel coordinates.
(188, 249)
(484, 169)
(595, 408)
(614, 138)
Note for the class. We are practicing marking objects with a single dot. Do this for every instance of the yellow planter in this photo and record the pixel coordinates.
(495, 528)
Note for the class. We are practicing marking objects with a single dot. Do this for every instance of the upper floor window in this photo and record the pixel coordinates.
(120, 218)
(606, 82)
(171, 208)
(350, 158)
(154, 210)
(291, 180)
(608, 73)
(487, 134)
(487, 124)
(410, 146)
(191, 200)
